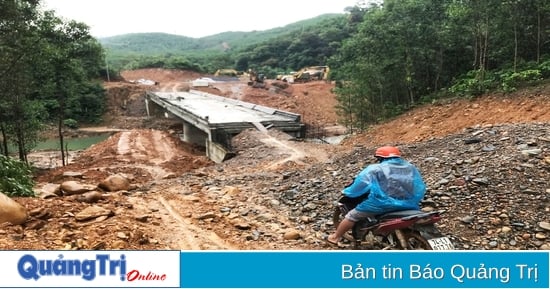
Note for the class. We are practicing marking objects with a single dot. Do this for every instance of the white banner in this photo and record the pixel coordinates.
(76, 269)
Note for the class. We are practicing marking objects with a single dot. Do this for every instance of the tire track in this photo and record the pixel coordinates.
(193, 237)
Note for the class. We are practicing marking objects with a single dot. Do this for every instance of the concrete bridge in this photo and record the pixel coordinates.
(211, 120)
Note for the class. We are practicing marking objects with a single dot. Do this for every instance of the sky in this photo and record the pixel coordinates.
(191, 18)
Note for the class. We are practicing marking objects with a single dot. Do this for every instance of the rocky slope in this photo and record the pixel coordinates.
(492, 181)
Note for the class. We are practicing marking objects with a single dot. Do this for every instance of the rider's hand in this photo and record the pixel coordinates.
(350, 183)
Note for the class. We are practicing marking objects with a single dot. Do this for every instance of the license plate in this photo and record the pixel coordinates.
(442, 243)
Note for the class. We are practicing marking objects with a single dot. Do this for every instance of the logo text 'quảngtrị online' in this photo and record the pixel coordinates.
(29, 267)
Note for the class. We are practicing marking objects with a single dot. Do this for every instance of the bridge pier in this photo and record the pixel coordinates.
(192, 134)
(217, 152)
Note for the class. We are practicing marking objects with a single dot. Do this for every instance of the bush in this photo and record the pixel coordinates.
(544, 68)
(474, 83)
(15, 178)
(511, 81)
(71, 123)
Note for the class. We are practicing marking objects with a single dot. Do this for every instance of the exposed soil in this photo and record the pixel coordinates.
(178, 199)
(453, 116)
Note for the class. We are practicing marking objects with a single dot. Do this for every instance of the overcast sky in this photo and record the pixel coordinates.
(192, 18)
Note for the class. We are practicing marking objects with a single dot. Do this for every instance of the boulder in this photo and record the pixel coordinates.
(11, 211)
(74, 188)
(115, 183)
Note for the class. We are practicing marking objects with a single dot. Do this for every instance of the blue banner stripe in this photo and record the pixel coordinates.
(364, 269)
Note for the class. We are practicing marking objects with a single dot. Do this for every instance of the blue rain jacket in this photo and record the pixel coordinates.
(393, 185)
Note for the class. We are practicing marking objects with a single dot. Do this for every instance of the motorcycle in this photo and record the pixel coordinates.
(401, 230)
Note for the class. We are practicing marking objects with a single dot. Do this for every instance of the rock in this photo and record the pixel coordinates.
(306, 219)
(207, 215)
(50, 189)
(90, 197)
(531, 152)
(47, 195)
(73, 188)
(241, 225)
(292, 235)
(40, 213)
(98, 245)
(73, 174)
(467, 219)
(11, 211)
(92, 212)
(472, 140)
(35, 224)
(266, 217)
(232, 191)
(544, 225)
(506, 230)
(191, 198)
(120, 244)
(115, 183)
(142, 218)
(481, 181)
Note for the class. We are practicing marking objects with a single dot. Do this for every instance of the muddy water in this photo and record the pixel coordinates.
(72, 144)
(46, 154)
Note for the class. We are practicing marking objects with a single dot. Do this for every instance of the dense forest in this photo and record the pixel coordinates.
(411, 51)
(261, 50)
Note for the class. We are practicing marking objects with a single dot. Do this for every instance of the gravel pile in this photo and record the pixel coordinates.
(492, 182)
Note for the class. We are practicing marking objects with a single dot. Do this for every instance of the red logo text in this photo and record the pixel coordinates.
(135, 275)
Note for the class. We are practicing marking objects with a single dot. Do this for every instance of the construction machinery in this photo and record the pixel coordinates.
(312, 73)
(226, 72)
(307, 74)
(256, 79)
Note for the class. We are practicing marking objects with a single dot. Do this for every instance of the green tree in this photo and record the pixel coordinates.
(19, 124)
(72, 59)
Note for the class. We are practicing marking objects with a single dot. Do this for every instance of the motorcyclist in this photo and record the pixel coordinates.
(393, 184)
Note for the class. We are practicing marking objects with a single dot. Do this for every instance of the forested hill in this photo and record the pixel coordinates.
(385, 58)
(170, 44)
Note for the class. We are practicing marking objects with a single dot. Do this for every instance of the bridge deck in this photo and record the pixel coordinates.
(212, 120)
(219, 110)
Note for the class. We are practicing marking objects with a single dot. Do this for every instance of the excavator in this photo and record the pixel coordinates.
(307, 74)
(312, 73)
(256, 79)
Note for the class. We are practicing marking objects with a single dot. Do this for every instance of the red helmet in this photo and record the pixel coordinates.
(387, 152)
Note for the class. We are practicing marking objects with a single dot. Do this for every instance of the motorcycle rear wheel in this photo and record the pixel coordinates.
(415, 241)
